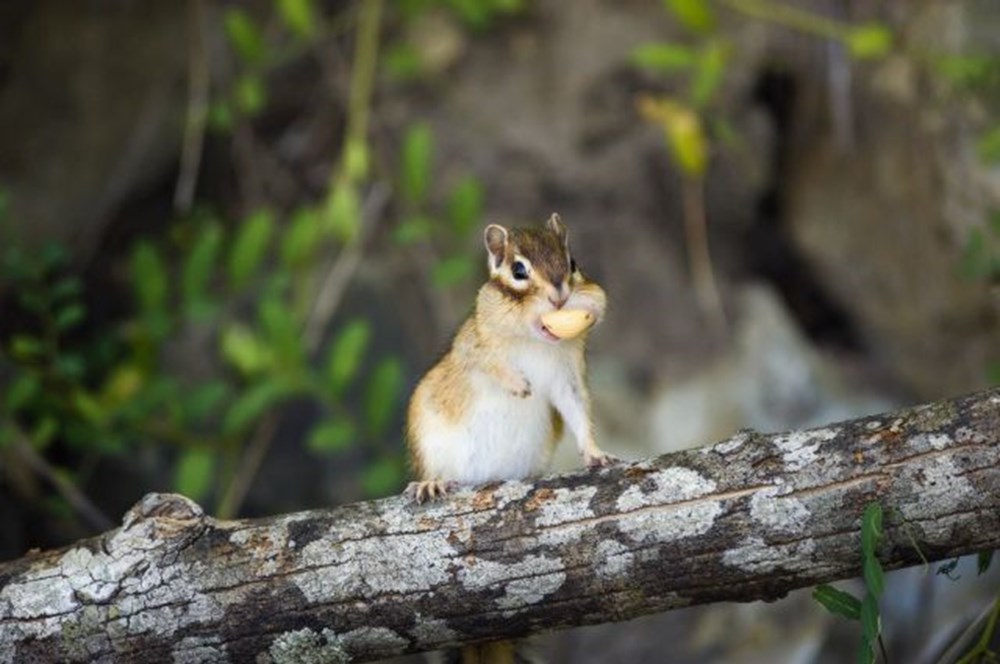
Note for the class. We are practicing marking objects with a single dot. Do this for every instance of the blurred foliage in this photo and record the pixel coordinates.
(250, 285)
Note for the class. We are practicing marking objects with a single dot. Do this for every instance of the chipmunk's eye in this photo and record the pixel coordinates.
(519, 270)
(572, 266)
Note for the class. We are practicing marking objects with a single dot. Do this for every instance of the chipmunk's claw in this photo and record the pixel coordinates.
(600, 460)
(419, 492)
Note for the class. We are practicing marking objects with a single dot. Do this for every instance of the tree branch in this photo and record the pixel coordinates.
(750, 518)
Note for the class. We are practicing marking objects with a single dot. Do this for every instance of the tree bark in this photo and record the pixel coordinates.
(749, 518)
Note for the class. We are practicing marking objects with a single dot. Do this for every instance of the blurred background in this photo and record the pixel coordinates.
(234, 235)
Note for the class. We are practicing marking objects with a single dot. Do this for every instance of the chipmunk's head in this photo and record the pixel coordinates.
(531, 273)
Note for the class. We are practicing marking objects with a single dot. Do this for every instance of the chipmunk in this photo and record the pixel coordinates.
(494, 407)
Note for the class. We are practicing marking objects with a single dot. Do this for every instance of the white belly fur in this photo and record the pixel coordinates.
(501, 436)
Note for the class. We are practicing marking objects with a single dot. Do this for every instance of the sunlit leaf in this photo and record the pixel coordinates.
(837, 601)
(88, 407)
(710, 67)
(465, 205)
(346, 354)
(122, 384)
(302, 238)
(300, 17)
(684, 133)
(245, 350)
(342, 212)
(281, 330)
(250, 246)
(244, 35)
(664, 57)
(356, 160)
(418, 148)
(194, 473)
(250, 95)
(696, 15)
(868, 41)
(382, 396)
(334, 436)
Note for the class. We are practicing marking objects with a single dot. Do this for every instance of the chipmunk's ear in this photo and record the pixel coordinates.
(495, 239)
(556, 225)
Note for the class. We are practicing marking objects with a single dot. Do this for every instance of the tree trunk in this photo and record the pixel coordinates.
(749, 518)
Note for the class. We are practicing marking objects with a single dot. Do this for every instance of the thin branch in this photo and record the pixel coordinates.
(199, 81)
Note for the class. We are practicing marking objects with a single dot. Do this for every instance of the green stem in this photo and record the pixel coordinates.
(791, 17)
(982, 646)
(363, 75)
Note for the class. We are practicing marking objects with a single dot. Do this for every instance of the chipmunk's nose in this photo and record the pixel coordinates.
(562, 294)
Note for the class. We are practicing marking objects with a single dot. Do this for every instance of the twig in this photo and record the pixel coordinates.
(197, 111)
(81, 504)
(982, 646)
(696, 234)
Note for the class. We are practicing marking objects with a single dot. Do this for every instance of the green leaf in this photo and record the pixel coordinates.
(302, 238)
(25, 388)
(194, 473)
(70, 316)
(43, 433)
(869, 41)
(149, 274)
(299, 16)
(244, 35)
(402, 62)
(664, 57)
(88, 407)
(205, 399)
(67, 288)
(356, 159)
(413, 229)
(418, 148)
(331, 437)
(25, 348)
(465, 205)
(695, 15)
(250, 96)
(382, 477)
(346, 354)
(253, 403)
(870, 622)
(871, 528)
(837, 601)
(382, 395)
(245, 350)
(342, 212)
(709, 70)
(874, 576)
(281, 331)
(220, 116)
(250, 246)
(198, 268)
(983, 560)
(452, 270)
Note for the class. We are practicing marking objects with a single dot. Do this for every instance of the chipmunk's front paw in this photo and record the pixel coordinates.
(598, 459)
(520, 387)
(428, 490)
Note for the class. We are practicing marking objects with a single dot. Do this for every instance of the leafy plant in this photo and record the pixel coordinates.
(864, 610)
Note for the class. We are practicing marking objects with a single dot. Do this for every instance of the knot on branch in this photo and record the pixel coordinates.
(170, 514)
